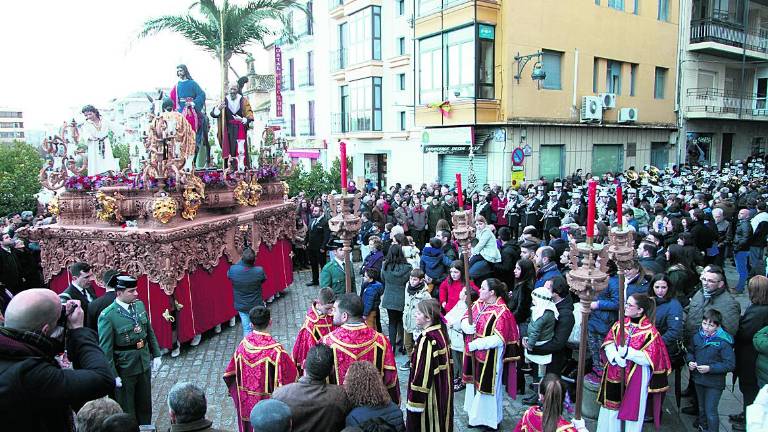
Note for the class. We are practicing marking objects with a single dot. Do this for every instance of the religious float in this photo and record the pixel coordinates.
(176, 230)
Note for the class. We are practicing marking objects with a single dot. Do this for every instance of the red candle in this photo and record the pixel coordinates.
(591, 207)
(619, 206)
(343, 160)
(458, 188)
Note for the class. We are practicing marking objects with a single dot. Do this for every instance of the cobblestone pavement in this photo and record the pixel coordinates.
(204, 365)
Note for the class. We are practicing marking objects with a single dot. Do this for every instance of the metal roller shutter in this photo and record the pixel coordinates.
(449, 165)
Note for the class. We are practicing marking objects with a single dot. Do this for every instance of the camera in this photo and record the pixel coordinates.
(66, 310)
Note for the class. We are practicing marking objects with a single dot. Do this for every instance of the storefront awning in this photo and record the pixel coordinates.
(310, 154)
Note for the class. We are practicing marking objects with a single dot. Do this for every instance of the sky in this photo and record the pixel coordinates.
(58, 56)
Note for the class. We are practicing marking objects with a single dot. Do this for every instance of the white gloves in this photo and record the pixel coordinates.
(244, 120)
(118, 382)
(638, 357)
(580, 425)
(485, 343)
(156, 362)
(621, 351)
(467, 328)
(620, 361)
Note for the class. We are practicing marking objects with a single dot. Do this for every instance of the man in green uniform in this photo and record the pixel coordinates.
(127, 339)
(333, 276)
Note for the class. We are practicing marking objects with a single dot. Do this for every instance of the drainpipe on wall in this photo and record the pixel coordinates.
(745, 18)
(574, 106)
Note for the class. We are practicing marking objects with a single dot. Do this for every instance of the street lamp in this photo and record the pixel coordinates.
(538, 73)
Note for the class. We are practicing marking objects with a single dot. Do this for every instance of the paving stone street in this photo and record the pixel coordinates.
(204, 365)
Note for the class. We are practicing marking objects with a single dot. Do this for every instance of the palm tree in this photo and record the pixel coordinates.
(256, 21)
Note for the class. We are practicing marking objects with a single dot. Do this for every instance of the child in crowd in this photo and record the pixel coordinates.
(372, 290)
(541, 329)
(415, 291)
(710, 358)
(453, 321)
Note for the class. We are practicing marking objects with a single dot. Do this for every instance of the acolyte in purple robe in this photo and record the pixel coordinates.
(430, 389)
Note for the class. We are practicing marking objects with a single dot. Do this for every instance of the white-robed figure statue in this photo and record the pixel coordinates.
(96, 133)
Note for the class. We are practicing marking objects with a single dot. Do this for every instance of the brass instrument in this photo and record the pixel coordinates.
(550, 205)
(632, 177)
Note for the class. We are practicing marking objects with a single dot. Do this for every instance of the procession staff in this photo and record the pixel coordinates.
(129, 343)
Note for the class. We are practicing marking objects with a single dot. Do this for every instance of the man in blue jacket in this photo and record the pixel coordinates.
(546, 262)
(247, 279)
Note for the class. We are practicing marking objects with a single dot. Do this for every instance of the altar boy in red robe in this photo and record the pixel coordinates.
(354, 341)
(318, 323)
(259, 365)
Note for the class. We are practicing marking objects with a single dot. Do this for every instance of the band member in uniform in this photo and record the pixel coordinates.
(576, 211)
(531, 211)
(512, 212)
(551, 214)
(259, 365)
(318, 323)
(129, 343)
(562, 194)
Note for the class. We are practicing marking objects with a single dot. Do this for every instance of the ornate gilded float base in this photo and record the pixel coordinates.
(164, 254)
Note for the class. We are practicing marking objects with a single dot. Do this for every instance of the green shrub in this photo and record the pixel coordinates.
(20, 164)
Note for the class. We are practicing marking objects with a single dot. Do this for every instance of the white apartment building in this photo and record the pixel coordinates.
(372, 90)
(723, 82)
(349, 77)
(301, 97)
(11, 125)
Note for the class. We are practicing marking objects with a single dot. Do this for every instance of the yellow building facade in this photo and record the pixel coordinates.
(607, 102)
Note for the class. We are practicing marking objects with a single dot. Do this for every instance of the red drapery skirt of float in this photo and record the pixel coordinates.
(206, 297)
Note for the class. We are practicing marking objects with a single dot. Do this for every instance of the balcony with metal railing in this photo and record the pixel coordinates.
(718, 37)
(715, 103)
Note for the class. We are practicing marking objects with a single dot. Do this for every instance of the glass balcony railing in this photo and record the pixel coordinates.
(349, 122)
(339, 59)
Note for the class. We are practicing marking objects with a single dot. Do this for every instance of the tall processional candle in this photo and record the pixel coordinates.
(343, 161)
(591, 207)
(619, 206)
(459, 190)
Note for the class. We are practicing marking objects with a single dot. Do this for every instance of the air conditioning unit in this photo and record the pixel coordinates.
(609, 100)
(627, 115)
(591, 109)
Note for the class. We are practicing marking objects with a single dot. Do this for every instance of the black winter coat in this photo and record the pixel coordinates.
(754, 319)
(36, 394)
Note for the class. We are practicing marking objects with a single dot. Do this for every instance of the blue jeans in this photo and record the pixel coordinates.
(741, 267)
(709, 399)
(757, 260)
(245, 320)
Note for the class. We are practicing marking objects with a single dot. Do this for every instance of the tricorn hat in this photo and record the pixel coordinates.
(125, 282)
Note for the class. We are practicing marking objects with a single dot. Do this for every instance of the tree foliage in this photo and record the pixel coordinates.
(243, 25)
(20, 164)
(316, 181)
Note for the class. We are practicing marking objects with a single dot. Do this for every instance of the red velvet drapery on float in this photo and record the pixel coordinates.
(206, 296)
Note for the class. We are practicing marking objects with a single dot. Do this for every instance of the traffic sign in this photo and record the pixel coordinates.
(518, 156)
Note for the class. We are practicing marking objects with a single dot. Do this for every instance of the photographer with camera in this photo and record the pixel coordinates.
(36, 394)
